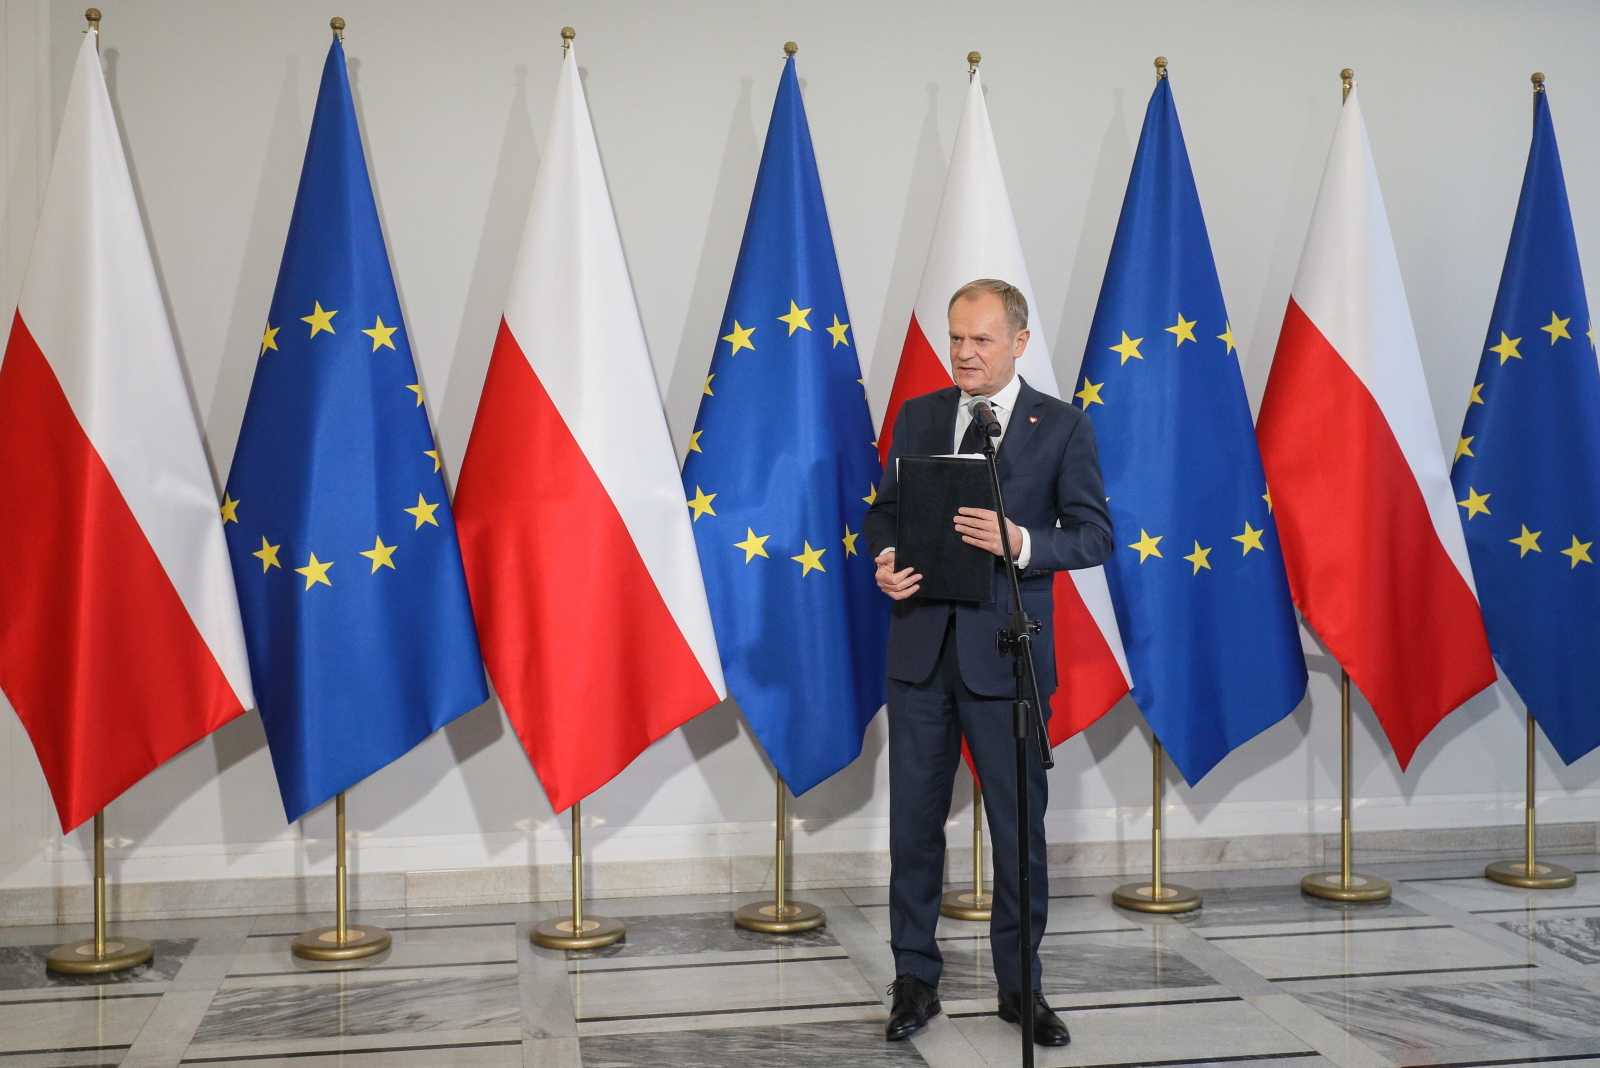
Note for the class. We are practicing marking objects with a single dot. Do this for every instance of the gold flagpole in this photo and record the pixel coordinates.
(578, 931)
(780, 915)
(340, 941)
(1528, 873)
(1344, 884)
(973, 904)
(93, 956)
(1156, 895)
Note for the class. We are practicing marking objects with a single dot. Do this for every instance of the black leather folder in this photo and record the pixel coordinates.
(932, 489)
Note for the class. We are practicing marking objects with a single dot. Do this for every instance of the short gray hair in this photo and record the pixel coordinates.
(1016, 304)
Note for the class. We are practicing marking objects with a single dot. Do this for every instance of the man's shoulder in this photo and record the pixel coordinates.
(932, 400)
(1043, 403)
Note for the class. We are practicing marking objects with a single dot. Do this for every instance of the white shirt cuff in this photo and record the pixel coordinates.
(1026, 554)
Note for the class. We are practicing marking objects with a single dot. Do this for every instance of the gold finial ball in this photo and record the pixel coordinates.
(974, 58)
(1161, 62)
(790, 48)
(1347, 74)
(93, 15)
(337, 24)
(1538, 77)
(568, 33)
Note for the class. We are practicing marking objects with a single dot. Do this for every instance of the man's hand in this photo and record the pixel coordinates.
(897, 584)
(980, 527)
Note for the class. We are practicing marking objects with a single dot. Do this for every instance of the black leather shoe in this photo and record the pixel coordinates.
(915, 1003)
(1048, 1030)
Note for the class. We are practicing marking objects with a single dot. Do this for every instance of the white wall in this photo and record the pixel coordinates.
(215, 101)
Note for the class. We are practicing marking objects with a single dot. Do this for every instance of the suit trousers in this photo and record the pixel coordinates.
(927, 721)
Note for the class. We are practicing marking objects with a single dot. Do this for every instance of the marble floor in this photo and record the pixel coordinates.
(1454, 970)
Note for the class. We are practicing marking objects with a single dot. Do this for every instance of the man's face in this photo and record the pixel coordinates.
(983, 350)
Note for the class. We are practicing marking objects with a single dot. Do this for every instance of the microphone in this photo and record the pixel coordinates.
(985, 417)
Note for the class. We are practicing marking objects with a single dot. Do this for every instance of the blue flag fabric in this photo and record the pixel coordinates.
(355, 607)
(1527, 468)
(780, 472)
(1197, 579)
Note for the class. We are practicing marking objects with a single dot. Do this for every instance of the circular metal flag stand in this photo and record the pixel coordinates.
(1528, 873)
(578, 931)
(1344, 884)
(780, 915)
(340, 941)
(971, 904)
(100, 954)
(1156, 895)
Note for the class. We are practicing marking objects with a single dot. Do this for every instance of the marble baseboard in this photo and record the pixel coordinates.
(753, 874)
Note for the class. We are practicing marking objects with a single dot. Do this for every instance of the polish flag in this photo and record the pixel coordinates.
(120, 641)
(976, 237)
(1376, 557)
(579, 555)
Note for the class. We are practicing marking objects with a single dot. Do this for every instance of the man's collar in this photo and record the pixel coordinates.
(1006, 398)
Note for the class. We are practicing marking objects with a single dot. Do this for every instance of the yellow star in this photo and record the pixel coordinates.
(424, 512)
(796, 318)
(694, 442)
(838, 331)
(319, 320)
(1147, 545)
(754, 545)
(1090, 393)
(229, 509)
(316, 571)
(1507, 348)
(268, 555)
(810, 560)
(1591, 333)
(702, 503)
(381, 555)
(269, 339)
(433, 453)
(1129, 348)
(1528, 540)
(381, 335)
(1579, 551)
(417, 389)
(1557, 328)
(1267, 496)
(1198, 558)
(1477, 394)
(850, 540)
(872, 495)
(1250, 539)
(1476, 503)
(710, 377)
(740, 338)
(1463, 448)
(1227, 336)
(1184, 330)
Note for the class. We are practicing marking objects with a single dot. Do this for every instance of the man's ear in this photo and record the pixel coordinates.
(1022, 341)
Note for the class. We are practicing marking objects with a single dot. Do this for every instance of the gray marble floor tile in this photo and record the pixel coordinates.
(823, 1045)
(1577, 937)
(406, 1006)
(103, 1059)
(1402, 1021)
(1480, 895)
(86, 1024)
(271, 955)
(1246, 905)
(1066, 914)
(1073, 965)
(649, 992)
(697, 932)
(246, 1049)
(716, 1020)
(496, 1055)
(23, 968)
(1366, 952)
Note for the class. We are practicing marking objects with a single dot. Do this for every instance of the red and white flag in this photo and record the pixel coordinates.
(120, 640)
(1376, 557)
(579, 555)
(976, 237)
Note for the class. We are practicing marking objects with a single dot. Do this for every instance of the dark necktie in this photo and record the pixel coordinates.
(972, 440)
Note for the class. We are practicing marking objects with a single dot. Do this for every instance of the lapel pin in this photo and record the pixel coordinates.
(1033, 418)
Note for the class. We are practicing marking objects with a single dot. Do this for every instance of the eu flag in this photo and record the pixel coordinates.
(781, 468)
(355, 607)
(1197, 579)
(1527, 466)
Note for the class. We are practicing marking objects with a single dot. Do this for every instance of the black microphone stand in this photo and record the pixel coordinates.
(1027, 715)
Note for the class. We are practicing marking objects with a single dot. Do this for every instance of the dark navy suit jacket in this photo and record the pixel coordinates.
(1049, 475)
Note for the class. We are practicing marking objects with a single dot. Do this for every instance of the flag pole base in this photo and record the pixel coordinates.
(965, 905)
(1545, 876)
(597, 931)
(322, 943)
(765, 917)
(78, 958)
(1141, 897)
(1329, 885)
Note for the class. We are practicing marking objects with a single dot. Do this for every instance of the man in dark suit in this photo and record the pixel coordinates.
(947, 680)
